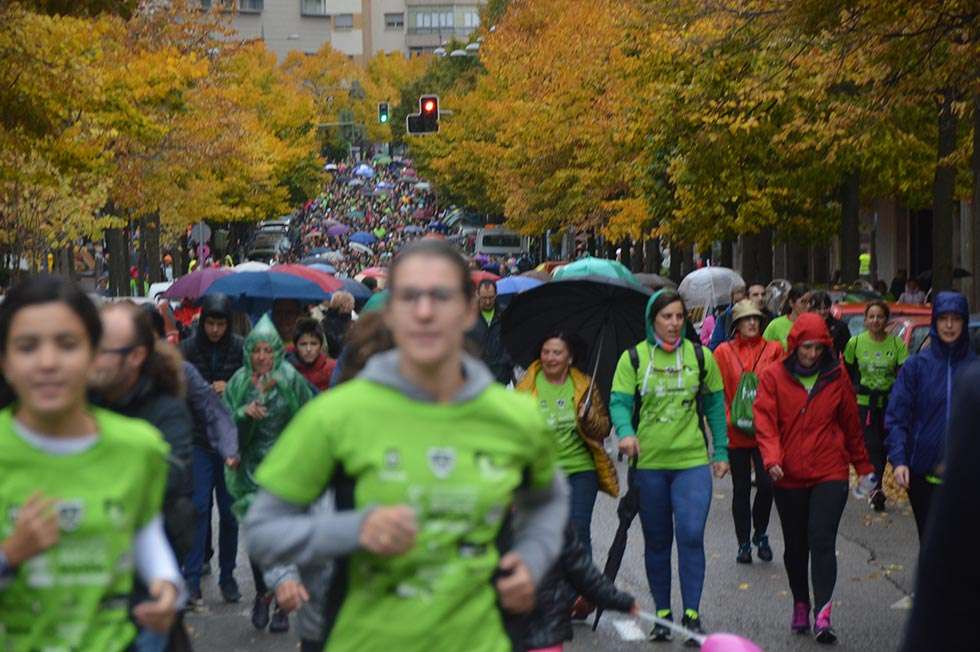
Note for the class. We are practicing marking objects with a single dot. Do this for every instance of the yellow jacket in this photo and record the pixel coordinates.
(593, 427)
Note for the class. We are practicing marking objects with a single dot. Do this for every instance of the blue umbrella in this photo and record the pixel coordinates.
(411, 228)
(516, 284)
(253, 290)
(320, 250)
(364, 238)
(358, 290)
(325, 268)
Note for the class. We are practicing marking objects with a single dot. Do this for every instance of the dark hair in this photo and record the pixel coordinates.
(366, 337)
(370, 283)
(37, 291)
(308, 326)
(877, 303)
(820, 299)
(576, 346)
(664, 299)
(796, 292)
(163, 362)
(159, 327)
(486, 283)
(433, 249)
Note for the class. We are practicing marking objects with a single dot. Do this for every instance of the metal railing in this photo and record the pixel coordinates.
(442, 32)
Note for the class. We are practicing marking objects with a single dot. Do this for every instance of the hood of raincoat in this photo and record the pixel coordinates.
(950, 302)
(808, 327)
(215, 305)
(264, 331)
(651, 333)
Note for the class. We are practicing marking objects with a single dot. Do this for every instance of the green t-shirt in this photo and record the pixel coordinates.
(75, 595)
(557, 405)
(458, 465)
(669, 434)
(778, 330)
(487, 315)
(877, 362)
(808, 382)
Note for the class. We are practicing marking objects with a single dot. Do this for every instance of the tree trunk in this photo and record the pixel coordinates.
(820, 265)
(652, 260)
(727, 254)
(626, 258)
(688, 260)
(975, 205)
(797, 261)
(757, 257)
(942, 198)
(118, 278)
(850, 231)
(151, 236)
(676, 260)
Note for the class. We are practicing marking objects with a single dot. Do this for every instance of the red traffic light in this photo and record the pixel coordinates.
(429, 105)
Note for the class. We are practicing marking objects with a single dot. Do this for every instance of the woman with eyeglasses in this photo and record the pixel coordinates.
(81, 488)
(428, 458)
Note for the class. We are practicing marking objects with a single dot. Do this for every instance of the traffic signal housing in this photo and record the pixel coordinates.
(383, 113)
(426, 121)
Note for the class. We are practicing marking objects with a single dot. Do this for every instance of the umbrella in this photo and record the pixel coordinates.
(319, 251)
(356, 214)
(590, 266)
(516, 284)
(926, 276)
(544, 277)
(436, 225)
(323, 267)
(374, 272)
(364, 238)
(263, 287)
(330, 258)
(357, 246)
(326, 282)
(193, 285)
(384, 185)
(382, 159)
(358, 290)
(626, 511)
(483, 275)
(423, 185)
(705, 288)
(330, 167)
(364, 170)
(655, 281)
(337, 230)
(251, 266)
(605, 312)
(356, 182)
(377, 301)
(413, 229)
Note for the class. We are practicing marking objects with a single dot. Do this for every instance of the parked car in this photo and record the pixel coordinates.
(920, 333)
(911, 329)
(266, 245)
(852, 314)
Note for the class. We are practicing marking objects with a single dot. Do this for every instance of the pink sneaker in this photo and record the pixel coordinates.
(822, 630)
(801, 618)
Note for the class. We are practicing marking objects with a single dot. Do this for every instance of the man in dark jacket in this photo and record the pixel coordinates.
(216, 353)
(485, 335)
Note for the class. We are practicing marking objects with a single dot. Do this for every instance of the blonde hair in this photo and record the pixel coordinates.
(342, 301)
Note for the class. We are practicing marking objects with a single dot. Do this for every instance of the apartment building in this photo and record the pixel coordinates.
(358, 28)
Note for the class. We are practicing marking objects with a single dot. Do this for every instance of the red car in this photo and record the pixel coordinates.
(852, 314)
(913, 330)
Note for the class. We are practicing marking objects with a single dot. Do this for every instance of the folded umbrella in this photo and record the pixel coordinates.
(626, 511)
(195, 284)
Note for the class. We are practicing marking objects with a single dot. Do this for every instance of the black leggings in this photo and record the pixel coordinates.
(874, 439)
(810, 518)
(921, 492)
(748, 514)
(260, 585)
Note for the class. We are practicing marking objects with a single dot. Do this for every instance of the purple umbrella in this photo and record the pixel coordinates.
(195, 284)
(338, 230)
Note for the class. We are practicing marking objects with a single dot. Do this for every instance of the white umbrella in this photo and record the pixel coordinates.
(364, 170)
(357, 246)
(330, 167)
(251, 266)
(706, 288)
(423, 185)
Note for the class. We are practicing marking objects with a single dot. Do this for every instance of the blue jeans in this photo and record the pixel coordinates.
(584, 487)
(149, 641)
(209, 479)
(674, 501)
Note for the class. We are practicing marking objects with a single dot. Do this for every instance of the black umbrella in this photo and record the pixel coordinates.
(926, 276)
(628, 508)
(607, 313)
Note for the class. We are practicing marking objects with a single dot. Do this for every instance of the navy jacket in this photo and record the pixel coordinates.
(919, 406)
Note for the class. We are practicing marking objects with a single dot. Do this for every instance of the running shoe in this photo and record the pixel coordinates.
(801, 618)
(877, 500)
(764, 552)
(230, 591)
(195, 601)
(280, 621)
(822, 629)
(692, 621)
(260, 611)
(662, 633)
(744, 553)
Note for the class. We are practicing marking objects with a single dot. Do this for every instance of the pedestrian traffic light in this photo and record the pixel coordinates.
(383, 112)
(426, 121)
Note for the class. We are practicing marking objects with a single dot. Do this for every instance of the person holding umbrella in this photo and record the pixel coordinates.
(674, 384)
(747, 353)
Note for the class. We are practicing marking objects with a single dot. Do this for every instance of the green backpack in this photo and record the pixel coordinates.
(748, 385)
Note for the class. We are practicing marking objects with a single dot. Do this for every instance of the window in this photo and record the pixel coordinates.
(471, 19)
(343, 21)
(313, 7)
(433, 21)
(395, 21)
(250, 6)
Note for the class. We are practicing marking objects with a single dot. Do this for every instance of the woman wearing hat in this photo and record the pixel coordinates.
(747, 352)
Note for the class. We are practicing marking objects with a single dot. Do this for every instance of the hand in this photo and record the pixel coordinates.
(35, 531)
(515, 587)
(635, 609)
(629, 446)
(219, 387)
(389, 531)
(232, 462)
(776, 472)
(255, 411)
(720, 469)
(291, 595)
(158, 614)
(901, 474)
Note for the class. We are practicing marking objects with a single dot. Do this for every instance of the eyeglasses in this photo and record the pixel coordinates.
(438, 296)
(123, 350)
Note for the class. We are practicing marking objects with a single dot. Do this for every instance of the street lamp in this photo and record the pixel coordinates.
(439, 52)
(458, 53)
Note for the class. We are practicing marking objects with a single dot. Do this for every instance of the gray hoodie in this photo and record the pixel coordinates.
(279, 532)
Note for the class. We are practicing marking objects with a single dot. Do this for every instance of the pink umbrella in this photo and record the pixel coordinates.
(374, 272)
(195, 284)
(326, 282)
(482, 275)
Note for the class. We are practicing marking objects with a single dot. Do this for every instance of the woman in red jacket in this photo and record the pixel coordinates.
(747, 351)
(809, 431)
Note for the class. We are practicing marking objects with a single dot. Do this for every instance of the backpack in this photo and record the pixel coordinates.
(748, 385)
(702, 374)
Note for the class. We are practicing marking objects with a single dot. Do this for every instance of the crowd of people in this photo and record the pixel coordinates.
(397, 477)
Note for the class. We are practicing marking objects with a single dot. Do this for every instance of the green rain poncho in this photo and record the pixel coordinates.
(282, 391)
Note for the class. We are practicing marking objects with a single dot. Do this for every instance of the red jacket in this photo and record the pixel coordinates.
(813, 436)
(318, 373)
(738, 355)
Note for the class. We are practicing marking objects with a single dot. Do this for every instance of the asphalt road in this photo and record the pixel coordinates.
(876, 555)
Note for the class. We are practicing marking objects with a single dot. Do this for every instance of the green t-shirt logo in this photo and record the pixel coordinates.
(70, 514)
(442, 461)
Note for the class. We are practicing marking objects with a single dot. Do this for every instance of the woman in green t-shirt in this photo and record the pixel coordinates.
(796, 304)
(80, 488)
(428, 457)
(873, 359)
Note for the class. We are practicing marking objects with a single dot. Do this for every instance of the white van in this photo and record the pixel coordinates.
(501, 242)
